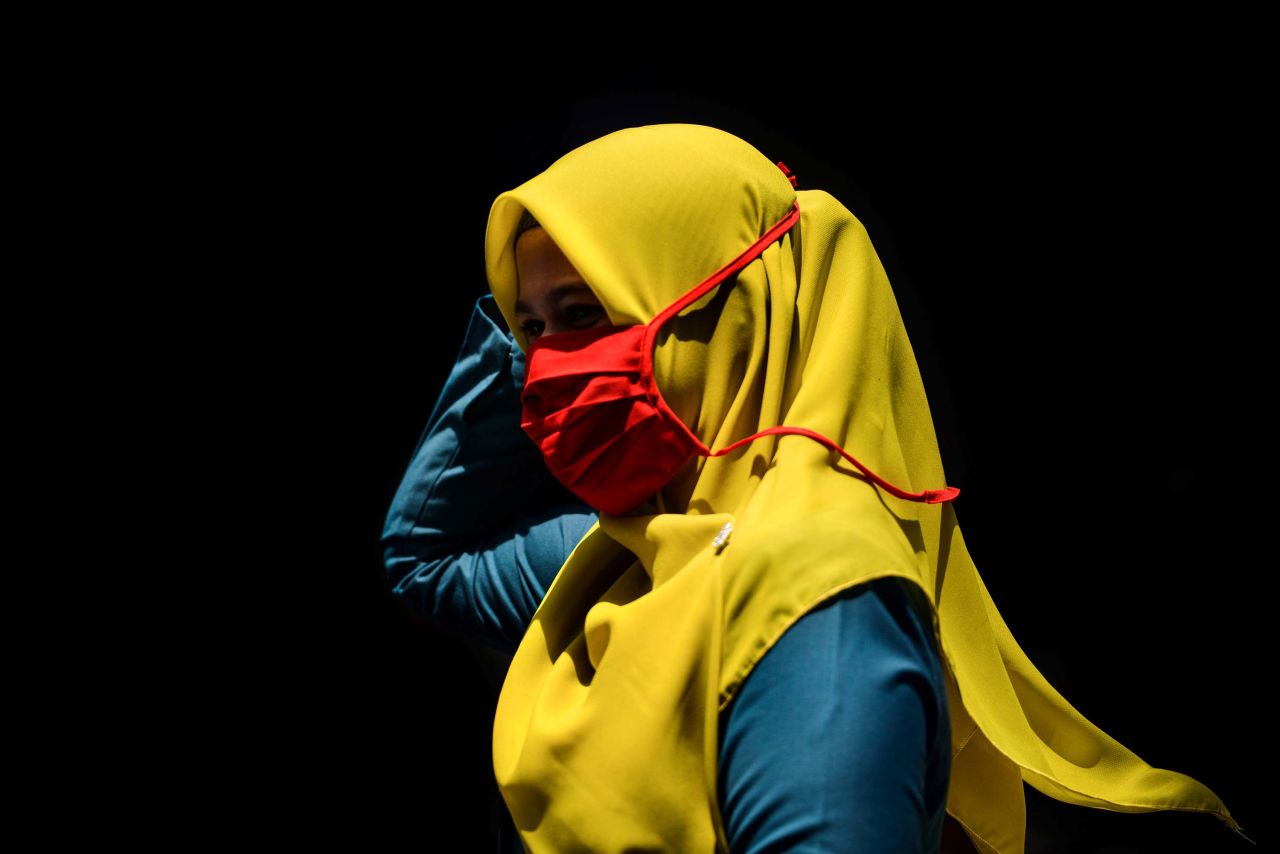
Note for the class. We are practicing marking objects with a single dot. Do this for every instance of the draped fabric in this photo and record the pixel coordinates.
(605, 732)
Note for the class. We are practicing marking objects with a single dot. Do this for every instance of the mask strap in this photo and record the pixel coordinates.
(746, 257)
(651, 328)
(928, 496)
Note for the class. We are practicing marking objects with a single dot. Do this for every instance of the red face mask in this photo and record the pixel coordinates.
(592, 405)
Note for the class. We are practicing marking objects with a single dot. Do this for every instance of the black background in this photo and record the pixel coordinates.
(1071, 260)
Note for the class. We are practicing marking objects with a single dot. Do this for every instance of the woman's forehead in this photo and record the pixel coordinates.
(543, 271)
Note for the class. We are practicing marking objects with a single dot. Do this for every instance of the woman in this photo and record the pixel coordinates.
(759, 641)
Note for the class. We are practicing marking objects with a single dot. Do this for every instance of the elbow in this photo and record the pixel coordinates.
(400, 551)
(413, 578)
(399, 563)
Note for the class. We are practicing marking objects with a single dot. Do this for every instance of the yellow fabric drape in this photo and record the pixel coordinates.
(605, 734)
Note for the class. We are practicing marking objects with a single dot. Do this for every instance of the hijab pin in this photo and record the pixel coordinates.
(785, 171)
(722, 537)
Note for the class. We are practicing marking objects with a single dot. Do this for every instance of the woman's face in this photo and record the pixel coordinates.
(551, 295)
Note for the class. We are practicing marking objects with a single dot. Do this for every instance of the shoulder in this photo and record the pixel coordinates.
(871, 533)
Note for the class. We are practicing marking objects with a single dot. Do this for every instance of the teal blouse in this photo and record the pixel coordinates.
(838, 740)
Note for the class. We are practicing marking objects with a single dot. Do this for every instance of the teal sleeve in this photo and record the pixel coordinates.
(478, 527)
(840, 737)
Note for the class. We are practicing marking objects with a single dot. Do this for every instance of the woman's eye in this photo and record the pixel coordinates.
(583, 314)
(578, 312)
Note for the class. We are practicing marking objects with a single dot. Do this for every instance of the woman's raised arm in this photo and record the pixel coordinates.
(478, 527)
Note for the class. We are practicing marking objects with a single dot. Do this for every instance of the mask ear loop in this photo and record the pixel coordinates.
(928, 496)
(651, 328)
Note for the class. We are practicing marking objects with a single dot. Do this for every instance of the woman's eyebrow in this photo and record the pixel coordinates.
(558, 292)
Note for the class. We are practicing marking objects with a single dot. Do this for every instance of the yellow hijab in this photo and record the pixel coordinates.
(605, 735)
